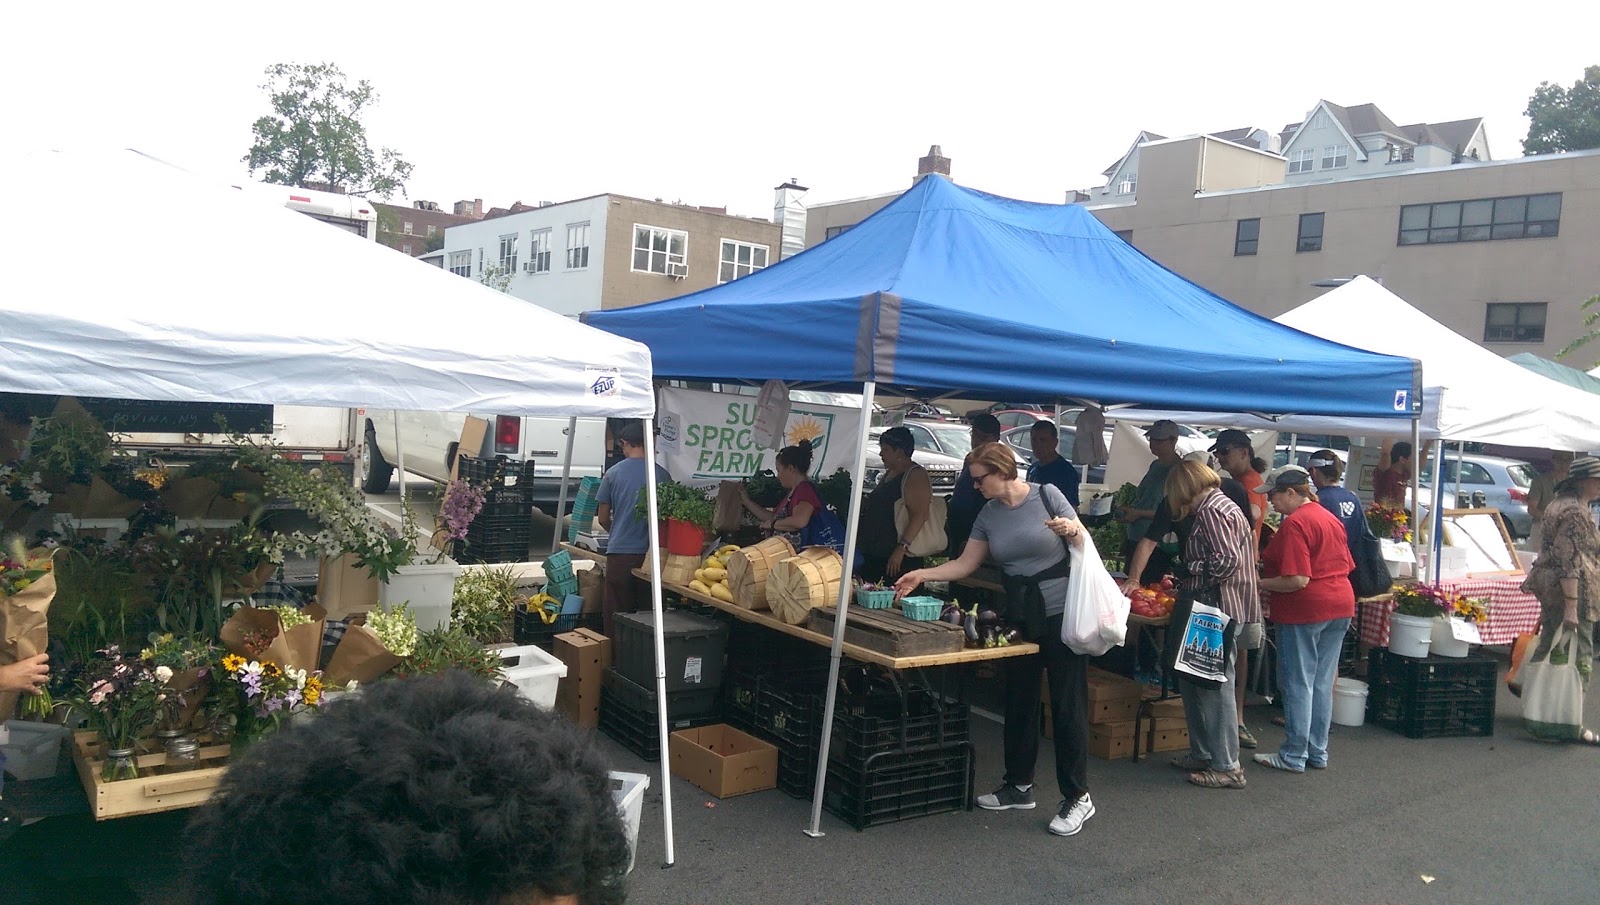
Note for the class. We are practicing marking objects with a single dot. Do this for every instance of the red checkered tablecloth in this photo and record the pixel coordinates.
(1511, 611)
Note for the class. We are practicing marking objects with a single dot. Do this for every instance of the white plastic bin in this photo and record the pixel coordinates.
(627, 790)
(1349, 702)
(32, 749)
(535, 673)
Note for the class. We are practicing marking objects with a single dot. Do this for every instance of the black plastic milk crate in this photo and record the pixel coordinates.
(694, 648)
(503, 538)
(642, 698)
(528, 628)
(763, 651)
(870, 724)
(503, 510)
(1432, 697)
(501, 479)
(637, 731)
(899, 786)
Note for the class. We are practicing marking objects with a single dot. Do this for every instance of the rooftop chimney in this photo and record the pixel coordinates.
(473, 209)
(790, 212)
(935, 164)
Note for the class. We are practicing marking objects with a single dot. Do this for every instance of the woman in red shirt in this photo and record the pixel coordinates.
(801, 516)
(1307, 568)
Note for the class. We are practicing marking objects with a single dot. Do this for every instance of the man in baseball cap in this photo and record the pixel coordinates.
(1284, 476)
(1163, 438)
(1162, 430)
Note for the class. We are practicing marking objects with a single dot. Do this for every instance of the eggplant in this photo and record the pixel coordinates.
(988, 617)
(1012, 635)
(971, 626)
(988, 636)
(950, 613)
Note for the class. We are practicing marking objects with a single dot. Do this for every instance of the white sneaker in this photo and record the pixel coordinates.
(1072, 816)
(1007, 798)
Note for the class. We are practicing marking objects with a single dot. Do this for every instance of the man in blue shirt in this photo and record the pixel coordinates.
(965, 500)
(1048, 466)
(630, 535)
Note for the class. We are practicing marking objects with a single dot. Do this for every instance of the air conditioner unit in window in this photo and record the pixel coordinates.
(677, 271)
(528, 267)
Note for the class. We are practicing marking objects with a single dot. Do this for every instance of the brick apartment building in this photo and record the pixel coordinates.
(419, 228)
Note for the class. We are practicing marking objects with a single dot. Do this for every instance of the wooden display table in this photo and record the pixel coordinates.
(854, 652)
(577, 552)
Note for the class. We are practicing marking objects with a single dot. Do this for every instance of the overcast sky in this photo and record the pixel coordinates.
(717, 102)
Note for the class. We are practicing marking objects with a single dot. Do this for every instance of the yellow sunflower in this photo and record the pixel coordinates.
(232, 662)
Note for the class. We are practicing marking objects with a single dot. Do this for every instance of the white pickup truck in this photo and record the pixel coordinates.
(432, 440)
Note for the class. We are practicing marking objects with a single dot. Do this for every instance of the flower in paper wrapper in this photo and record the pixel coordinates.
(233, 662)
(163, 673)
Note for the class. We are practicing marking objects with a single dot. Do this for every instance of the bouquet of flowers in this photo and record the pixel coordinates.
(1389, 522)
(27, 586)
(262, 693)
(462, 502)
(366, 652)
(122, 696)
(1469, 609)
(184, 666)
(1424, 601)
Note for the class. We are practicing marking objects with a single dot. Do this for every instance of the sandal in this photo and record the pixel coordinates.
(1216, 779)
(1276, 762)
(1589, 737)
(1190, 763)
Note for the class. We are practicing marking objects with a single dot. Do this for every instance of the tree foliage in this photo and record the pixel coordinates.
(315, 134)
(1564, 119)
(1592, 306)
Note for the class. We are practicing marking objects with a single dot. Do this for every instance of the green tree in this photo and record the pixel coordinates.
(1564, 119)
(314, 134)
(1589, 321)
(495, 277)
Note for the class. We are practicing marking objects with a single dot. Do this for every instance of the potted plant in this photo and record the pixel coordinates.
(687, 514)
(1411, 624)
(1448, 631)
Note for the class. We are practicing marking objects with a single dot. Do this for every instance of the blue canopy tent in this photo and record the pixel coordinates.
(953, 292)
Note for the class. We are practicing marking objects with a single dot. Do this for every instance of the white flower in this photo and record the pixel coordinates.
(163, 673)
(5, 471)
(351, 685)
(34, 480)
(39, 497)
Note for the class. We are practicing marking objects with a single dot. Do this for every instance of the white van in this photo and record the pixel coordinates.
(432, 441)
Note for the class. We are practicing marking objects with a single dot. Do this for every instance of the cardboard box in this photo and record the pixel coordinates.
(1114, 711)
(724, 761)
(586, 654)
(1171, 740)
(1169, 708)
(1105, 686)
(1107, 746)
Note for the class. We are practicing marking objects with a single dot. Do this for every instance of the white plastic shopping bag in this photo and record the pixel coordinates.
(1096, 617)
(1204, 645)
(1552, 691)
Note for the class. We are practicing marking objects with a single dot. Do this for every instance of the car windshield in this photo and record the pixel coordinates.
(954, 440)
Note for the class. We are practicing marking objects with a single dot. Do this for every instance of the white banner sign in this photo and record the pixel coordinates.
(706, 437)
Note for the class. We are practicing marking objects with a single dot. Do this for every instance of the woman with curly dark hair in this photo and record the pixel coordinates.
(433, 790)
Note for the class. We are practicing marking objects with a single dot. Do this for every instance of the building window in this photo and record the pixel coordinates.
(1514, 323)
(740, 259)
(577, 246)
(406, 228)
(539, 252)
(832, 231)
(1480, 220)
(1310, 233)
(1129, 184)
(461, 263)
(1335, 156)
(432, 230)
(1125, 235)
(1319, 120)
(1246, 236)
(1301, 161)
(508, 254)
(656, 250)
(1402, 153)
(405, 249)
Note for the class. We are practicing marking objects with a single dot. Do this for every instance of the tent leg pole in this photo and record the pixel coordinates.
(399, 456)
(1416, 487)
(661, 644)
(566, 475)
(869, 389)
(1436, 543)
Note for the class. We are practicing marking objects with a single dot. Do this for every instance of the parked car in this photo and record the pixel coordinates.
(1302, 456)
(1010, 418)
(996, 408)
(1020, 441)
(1504, 484)
(929, 411)
(942, 449)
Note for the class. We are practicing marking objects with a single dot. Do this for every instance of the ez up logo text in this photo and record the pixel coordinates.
(602, 382)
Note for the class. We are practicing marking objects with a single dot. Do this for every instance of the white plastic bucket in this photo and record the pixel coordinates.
(1349, 702)
(535, 673)
(1409, 636)
(426, 587)
(627, 790)
(1445, 643)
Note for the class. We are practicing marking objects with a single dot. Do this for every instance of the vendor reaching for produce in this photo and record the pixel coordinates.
(1163, 437)
(800, 515)
(885, 550)
(1023, 528)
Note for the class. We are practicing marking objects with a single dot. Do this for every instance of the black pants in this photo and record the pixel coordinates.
(1069, 704)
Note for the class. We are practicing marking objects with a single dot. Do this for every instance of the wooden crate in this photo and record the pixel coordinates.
(888, 632)
(1113, 711)
(1107, 687)
(153, 791)
(1171, 740)
(1109, 747)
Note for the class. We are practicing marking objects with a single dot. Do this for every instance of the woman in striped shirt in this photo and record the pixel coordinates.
(1219, 556)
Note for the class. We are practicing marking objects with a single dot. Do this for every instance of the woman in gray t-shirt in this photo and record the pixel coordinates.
(1023, 527)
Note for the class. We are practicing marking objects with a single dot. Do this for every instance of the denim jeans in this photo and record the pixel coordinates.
(1213, 718)
(1308, 662)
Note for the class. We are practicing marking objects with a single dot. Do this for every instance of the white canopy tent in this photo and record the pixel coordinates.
(228, 298)
(1469, 393)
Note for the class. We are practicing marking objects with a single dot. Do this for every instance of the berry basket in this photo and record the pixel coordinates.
(874, 598)
(921, 609)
